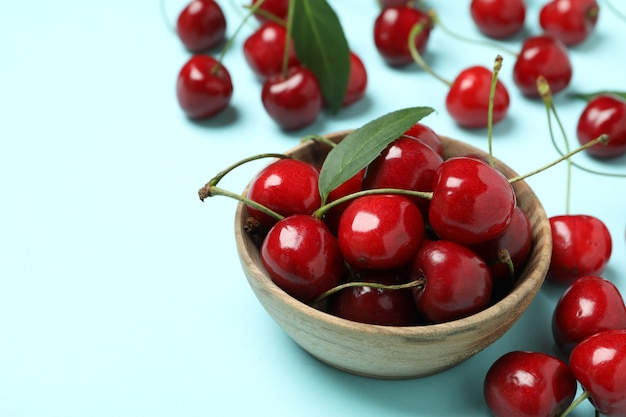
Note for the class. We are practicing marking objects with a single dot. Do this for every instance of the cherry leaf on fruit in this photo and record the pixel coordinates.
(363, 145)
(590, 96)
(321, 46)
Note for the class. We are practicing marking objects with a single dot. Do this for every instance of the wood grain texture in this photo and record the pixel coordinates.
(388, 352)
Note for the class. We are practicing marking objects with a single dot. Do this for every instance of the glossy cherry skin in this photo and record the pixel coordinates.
(295, 101)
(203, 87)
(542, 55)
(277, 8)
(570, 21)
(302, 257)
(528, 384)
(201, 25)
(264, 50)
(380, 231)
(458, 282)
(604, 114)
(392, 28)
(370, 305)
(467, 100)
(406, 164)
(581, 245)
(472, 202)
(286, 186)
(427, 135)
(599, 364)
(357, 81)
(588, 306)
(498, 19)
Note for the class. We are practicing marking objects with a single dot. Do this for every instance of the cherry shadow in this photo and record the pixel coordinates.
(227, 117)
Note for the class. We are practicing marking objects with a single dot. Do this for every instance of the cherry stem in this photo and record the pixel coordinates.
(435, 19)
(492, 93)
(504, 257)
(415, 30)
(615, 10)
(582, 397)
(213, 191)
(166, 20)
(319, 138)
(411, 284)
(289, 30)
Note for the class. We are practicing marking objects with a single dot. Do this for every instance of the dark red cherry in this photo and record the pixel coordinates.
(302, 257)
(357, 83)
(294, 101)
(264, 50)
(581, 245)
(604, 114)
(275, 8)
(203, 87)
(201, 25)
(599, 364)
(427, 135)
(542, 55)
(392, 28)
(498, 19)
(588, 306)
(380, 231)
(467, 100)
(371, 305)
(526, 383)
(457, 281)
(570, 21)
(472, 202)
(407, 164)
(286, 186)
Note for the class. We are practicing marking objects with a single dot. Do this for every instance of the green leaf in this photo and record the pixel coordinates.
(363, 145)
(321, 46)
(590, 96)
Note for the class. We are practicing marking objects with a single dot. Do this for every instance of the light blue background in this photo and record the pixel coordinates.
(121, 293)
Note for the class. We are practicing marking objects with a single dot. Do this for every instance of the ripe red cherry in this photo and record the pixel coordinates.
(581, 245)
(588, 306)
(286, 186)
(498, 19)
(457, 281)
(294, 101)
(302, 257)
(467, 100)
(542, 55)
(203, 87)
(276, 8)
(370, 305)
(427, 135)
(526, 383)
(201, 25)
(380, 231)
(570, 21)
(264, 50)
(599, 364)
(472, 202)
(605, 113)
(392, 28)
(357, 83)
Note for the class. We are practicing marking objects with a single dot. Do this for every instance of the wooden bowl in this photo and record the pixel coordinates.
(389, 352)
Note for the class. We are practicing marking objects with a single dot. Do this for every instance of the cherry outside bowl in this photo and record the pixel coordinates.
(389, 352)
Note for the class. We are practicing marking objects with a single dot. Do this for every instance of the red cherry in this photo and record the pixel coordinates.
(588, 306)
(357, 83)
(276, 8)
(203, 87)
(391, 33)
(606, 114)
(380, 231)
(201, 25)
(498, 19)
(458, 282)
(385, 307)
(302, 257)
(472, 202)
(287, 186)
(264, 50)
(294, 101)
(352, 185)
(599, 364)
(581, 245)
(525, 383)
(570, 21)
(467, 100)
(542, 55)
(427, 135)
